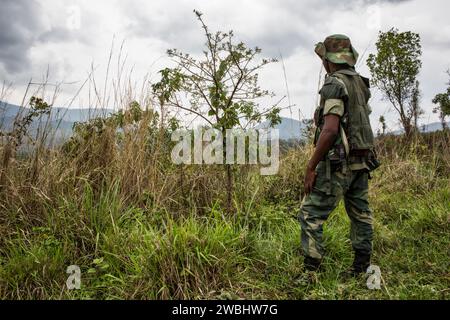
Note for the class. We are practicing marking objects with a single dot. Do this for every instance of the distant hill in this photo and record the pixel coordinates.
(431, 127)
(8, 110)
(60, 119)
(63, 119)
(289, 129)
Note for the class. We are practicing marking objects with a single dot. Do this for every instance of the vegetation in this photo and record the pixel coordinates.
(111, 201)
(394, 69)
(221, 88)
(141, 228)
(382, 121)
(443, 104)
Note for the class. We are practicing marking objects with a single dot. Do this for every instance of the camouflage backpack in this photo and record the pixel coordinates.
(356, 122)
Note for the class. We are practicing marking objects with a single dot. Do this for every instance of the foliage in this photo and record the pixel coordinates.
(394, 70)
(443, 105)
(129, 251)
(14, 139)
(117, 122)
(222, 86)
(382, 121)
(111, 202)
(37, 108)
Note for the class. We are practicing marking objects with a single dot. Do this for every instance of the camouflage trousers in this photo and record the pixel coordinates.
(330, 187)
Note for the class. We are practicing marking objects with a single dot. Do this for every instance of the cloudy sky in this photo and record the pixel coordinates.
(69, 38)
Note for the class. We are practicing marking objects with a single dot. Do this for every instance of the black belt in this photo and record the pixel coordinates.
(359, 153)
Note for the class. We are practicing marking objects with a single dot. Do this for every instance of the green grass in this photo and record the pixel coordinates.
(127, 252)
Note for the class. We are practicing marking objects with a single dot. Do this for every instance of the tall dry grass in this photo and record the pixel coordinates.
(111, 200)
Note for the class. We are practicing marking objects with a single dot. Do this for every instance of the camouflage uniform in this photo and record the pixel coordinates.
(344, 172)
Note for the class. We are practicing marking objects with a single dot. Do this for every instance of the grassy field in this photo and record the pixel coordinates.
(140, 227)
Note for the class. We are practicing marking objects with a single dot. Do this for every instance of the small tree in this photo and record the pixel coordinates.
(20, 130)
(394, 70)
(415, 109)
(383, 125)
(307, 132)
(221, 88)
(443, 105)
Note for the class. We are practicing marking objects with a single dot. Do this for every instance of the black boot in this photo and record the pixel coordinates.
(312, 264)
(360, 263)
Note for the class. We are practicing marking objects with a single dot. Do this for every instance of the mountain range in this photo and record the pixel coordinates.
(60, 119)
(63, 119)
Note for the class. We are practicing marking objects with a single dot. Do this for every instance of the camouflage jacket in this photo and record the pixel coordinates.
(345, 94)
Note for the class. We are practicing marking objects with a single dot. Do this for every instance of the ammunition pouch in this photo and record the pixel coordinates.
(372, 161)
(337, 154)
(368, 156)
(336, 157)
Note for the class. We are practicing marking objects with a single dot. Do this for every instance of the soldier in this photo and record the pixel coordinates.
(343, 156)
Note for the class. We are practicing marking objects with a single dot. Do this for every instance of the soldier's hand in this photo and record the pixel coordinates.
(310, 179)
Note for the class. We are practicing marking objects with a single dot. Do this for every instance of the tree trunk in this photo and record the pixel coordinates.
(408, 131)
(406, 122)
(229, 189)
(444, 124)
(229, 174)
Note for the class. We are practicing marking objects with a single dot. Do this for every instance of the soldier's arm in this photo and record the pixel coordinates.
(333, 92)
(326, 140)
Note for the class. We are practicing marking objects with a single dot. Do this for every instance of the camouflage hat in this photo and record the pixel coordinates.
(338, 49)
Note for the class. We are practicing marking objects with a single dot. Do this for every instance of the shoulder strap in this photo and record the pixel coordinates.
(342, 79)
